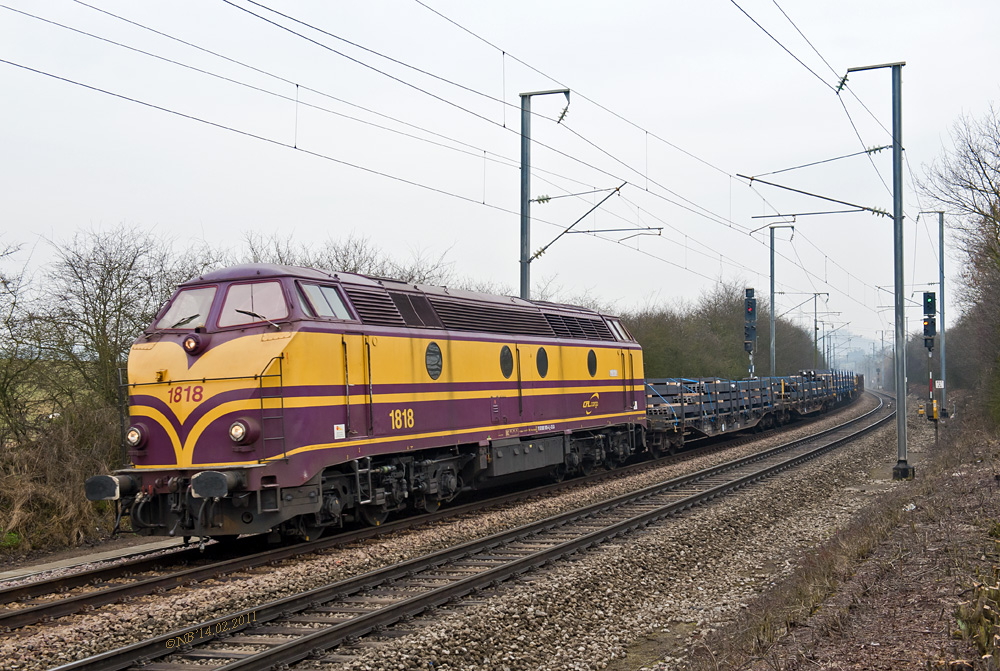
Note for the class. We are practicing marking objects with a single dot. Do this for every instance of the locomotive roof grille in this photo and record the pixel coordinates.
(380, 307)
(374, 307)
(462, 316)
(567, 326)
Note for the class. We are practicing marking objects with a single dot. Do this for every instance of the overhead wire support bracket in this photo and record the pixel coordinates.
(873, 210)
(646, 230)
(541, 200)
(568, 228)
(867, 152)
(618, 230)
(805, 214)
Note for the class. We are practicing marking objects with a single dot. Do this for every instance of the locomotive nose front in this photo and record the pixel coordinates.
(206, 404)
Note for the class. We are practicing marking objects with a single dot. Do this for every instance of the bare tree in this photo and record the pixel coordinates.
(966, 180)
(273, 249)
(19, 355)
(353, 254)
(102, 290)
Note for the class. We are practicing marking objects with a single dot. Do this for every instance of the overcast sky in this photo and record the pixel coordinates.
(320, 135)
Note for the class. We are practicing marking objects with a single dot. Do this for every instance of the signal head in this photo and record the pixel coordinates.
(930, 303)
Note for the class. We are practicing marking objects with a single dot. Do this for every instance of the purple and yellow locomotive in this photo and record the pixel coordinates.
(272, 398)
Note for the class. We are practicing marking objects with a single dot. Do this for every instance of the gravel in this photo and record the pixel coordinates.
(689, 574)
(581, 614)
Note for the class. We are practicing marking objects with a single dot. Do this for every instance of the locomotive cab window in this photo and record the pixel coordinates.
(189, 309)
(323, 301)
(253, 303)
(619, 330)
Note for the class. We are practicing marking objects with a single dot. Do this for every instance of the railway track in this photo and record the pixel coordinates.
(47, 599)
(314, 623)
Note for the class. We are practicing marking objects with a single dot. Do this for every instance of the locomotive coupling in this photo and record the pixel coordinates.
(109, 487)
(216, 484)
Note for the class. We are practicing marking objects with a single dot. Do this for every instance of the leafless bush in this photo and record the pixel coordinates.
(41, 480)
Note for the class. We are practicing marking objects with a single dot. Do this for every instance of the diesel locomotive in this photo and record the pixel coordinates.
(286, 400)
(270, 398)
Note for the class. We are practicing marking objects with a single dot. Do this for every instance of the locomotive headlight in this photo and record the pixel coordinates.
(195, 343)
(135, 437)
(243, 431)
(238, 431)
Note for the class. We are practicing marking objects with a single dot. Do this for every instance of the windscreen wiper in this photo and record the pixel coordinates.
(185, 320)
(260, 317)
(180, 323)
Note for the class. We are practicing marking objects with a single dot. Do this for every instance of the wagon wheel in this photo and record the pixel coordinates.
(655, 451)
(558, 473)
(373, 515)
(306, 528)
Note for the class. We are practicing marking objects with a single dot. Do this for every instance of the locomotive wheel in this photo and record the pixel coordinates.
(373, 516)
(558, 473)
(586, 467)
(427, 505)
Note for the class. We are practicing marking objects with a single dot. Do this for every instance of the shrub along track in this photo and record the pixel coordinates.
(310, 623)
(43, 599)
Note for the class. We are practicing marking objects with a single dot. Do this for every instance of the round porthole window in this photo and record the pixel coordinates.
(543, 362)
(506, 362)
(592, 363)
(433, 360)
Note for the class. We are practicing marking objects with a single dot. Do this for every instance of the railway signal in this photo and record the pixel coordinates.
(749, 336)
(749, 321)
(750, 326)
(751, 304)
(930, 330)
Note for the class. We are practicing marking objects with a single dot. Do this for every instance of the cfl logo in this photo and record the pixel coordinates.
(591, 404)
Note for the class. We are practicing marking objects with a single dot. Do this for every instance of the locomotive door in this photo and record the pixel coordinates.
(357, 415)
(627, 363)
(623, 372)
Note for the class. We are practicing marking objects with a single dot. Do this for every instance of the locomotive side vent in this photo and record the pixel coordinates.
(374, 307)
(402, 302)
(416, 310)
(491, 318)
(423, 308)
